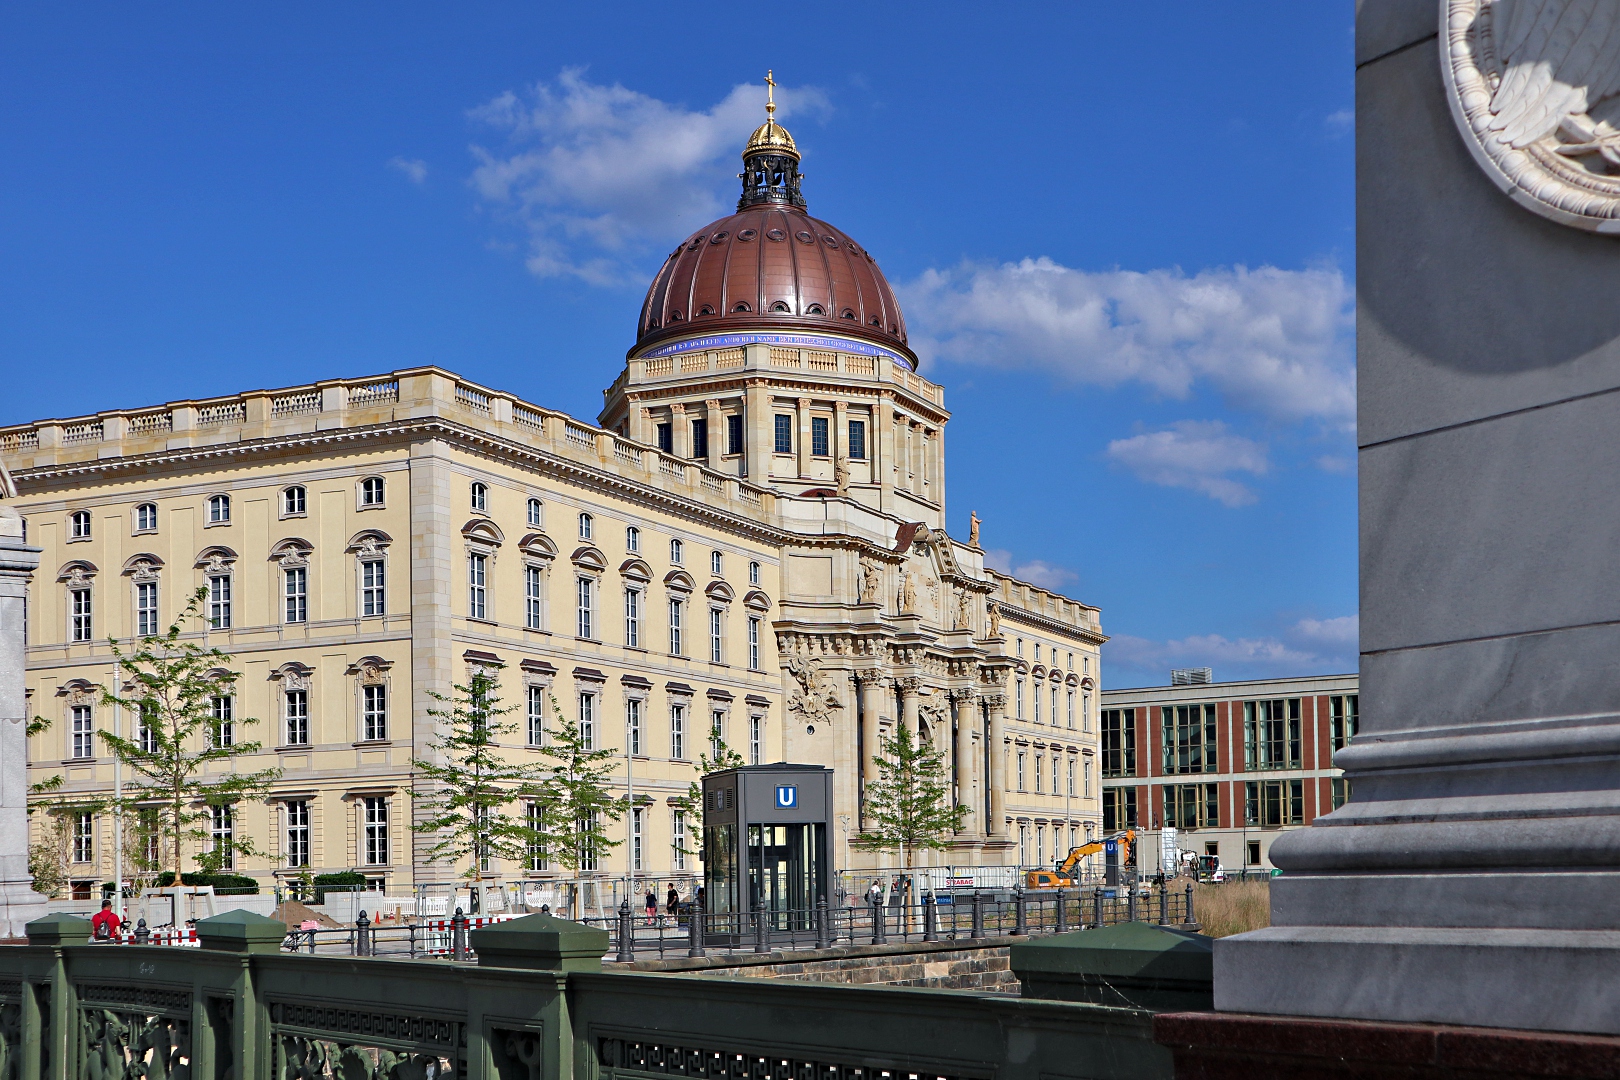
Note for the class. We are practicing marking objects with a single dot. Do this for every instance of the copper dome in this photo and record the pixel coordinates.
(772, 267)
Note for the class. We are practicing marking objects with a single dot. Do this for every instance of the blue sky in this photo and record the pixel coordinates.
(1122, 235)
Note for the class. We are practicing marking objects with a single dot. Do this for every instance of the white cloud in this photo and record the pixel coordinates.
(1342, 631)
(1309, 647)
(602, 176)
(1036, 571)
(1277, 341)
(1336, 463)
(1341, 122)
(414, 169)
(1195, 454)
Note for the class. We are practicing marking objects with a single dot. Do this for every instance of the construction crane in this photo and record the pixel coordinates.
(1063, 877)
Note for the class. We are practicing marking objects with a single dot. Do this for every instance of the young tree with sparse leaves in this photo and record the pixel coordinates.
(472, 785)
(170, 688)
(576, 802)
(692, 802)
(908, 806)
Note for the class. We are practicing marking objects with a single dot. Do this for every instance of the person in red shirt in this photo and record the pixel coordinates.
(104, 923)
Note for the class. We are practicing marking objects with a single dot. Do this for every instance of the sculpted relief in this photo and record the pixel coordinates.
(815, 701)
(1534, 86)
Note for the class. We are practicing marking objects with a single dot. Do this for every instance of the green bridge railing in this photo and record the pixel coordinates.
(537, 1006)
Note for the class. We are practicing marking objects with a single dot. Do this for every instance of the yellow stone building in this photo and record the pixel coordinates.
(753, 536)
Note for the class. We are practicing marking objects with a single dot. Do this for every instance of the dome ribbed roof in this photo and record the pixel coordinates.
(772, 268)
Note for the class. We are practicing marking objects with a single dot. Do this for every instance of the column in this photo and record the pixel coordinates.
(804, 437)
(680, 442)
(908, 688)
(838, 439)
(996, 827)
(19, 904)
(759, 426)
(880, 440)
(641, 429)
(717, 431)
(871, 683)
(967, 712)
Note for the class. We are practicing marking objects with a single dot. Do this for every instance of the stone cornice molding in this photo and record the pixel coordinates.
(1048, 624)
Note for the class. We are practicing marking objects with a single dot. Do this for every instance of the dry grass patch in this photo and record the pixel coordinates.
(1232, 907)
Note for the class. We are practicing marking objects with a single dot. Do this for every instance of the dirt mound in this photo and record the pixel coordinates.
(294, 914)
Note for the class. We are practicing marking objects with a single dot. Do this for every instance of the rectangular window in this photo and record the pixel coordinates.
(1340, 791)
(534, 817)
(716, 624)
(677, 732)
(818, 436)
(632, 723)
(756, 739)
(298, 833)
(1071, 710)
(677, 832)
(1118, 743)
(586, 610)
(1055, 707)
(632, 618)
(1345, 713)
(587, 721)
(296, 591)
(1271, 734)
(1020, 695)
(753, 644)
(84, 732)
(146, 609)
(666, 438)
(531, 597)
(376, 839)
(637, 816)
(587, 846)
(734, 434)
(717, 733)
(784, 433)
(1088, 778)
(1191, 806)
(84, 838)
(1037, 701)
(1119, 809)
(477, 586)
(296, 711)
(857, 440)
(374, 719)
(146, 731)
(219, 602)
(536, 715)
(1272, 803)
(1021, 757)
(372, 588)
(222, 836)
(224, 733)
(79, 605)
(700, 438)
(1189, 738)
(675, 627)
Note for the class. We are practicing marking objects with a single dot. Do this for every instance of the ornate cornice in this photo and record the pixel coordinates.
(1048, 624)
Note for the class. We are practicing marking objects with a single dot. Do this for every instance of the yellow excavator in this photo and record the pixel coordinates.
(1063, 877)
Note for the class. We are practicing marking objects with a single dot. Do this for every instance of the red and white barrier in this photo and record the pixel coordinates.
(163, 935)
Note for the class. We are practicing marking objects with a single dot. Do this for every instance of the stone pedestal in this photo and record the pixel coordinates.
(1474, 876)
(19, 903)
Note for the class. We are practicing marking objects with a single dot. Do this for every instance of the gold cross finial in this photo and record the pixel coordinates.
(770, 95)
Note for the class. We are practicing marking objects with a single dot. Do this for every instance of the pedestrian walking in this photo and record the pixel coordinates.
(652, 906)
(672, 902)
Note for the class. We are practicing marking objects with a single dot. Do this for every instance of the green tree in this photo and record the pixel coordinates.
(170, 688)
(691, 804)
(908, 806)
(471, 786)
(576, 802)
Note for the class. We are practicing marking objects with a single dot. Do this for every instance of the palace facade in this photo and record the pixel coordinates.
(751, 537)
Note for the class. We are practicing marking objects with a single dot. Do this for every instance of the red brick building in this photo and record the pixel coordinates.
(1229, 765)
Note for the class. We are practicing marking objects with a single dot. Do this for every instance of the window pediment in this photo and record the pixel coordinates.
(636, 570)
(679, 581)
(142, 567)
(537, 545)
(369, 542)
(293, 551)
(217, 558)
(589, 558)
(293, 676)
(755, 600)
(483, 531)
(719, 590)
(77, 572)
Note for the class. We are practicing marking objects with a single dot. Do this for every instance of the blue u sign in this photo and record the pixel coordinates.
(787, 796)
(1111, 847)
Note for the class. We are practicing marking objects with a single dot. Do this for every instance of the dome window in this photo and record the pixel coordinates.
(780, 306)
(815, 309)
(875, 321)
(708, 309)
(743, 306)
(830, 241)
(804, 237)
(848, 314)
(675, 316)
(747, 234)
(775, 234)
(697, 242)
(719, 238)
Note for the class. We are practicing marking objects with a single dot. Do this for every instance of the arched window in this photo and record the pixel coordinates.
(146, 517)
(480, 497)
(79, 525)
(219, 509)
(294, 501)
(676, 551)
(371, 491)
(632, 538)
(753, 573)
(714, 562)
(584, 526)
(534, 513)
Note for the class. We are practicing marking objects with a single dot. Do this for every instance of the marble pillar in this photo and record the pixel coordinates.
(19, 904)
(967, 713)
(1474, 876)
(872, 684)
(996, 827)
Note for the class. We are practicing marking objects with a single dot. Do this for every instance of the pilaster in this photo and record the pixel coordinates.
(19, 904)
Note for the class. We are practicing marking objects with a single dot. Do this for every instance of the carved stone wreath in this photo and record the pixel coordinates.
(1533, 87)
